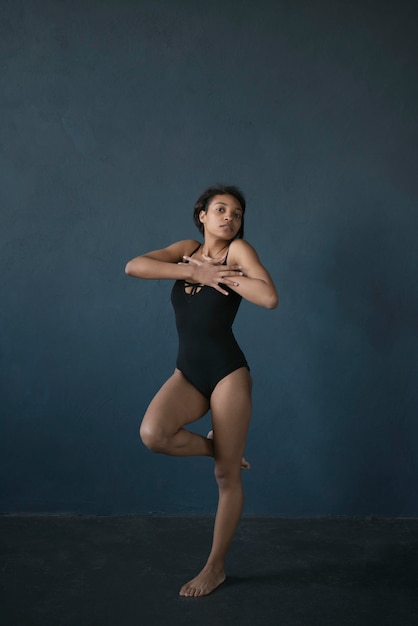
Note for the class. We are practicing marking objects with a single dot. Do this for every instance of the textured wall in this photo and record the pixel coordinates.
(114, 115)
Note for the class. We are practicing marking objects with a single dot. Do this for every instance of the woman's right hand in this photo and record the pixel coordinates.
(212, 273)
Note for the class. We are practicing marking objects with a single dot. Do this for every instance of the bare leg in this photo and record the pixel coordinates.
(176, 404)
(231, 412)
(244, 463)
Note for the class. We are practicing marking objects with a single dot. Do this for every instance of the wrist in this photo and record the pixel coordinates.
(186, 271)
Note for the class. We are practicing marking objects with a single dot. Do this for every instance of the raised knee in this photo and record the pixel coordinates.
(152, 438)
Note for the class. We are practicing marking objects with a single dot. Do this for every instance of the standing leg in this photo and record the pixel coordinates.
(244, 463)
(231, 413)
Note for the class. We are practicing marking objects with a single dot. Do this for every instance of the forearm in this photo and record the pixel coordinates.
(148, 268)
(257, 291)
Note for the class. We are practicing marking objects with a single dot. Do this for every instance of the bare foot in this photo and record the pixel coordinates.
(204, 583)
(244, 463)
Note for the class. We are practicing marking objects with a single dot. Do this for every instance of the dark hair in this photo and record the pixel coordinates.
(204, 199)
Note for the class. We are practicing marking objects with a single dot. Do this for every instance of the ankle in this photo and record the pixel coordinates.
(214, 565)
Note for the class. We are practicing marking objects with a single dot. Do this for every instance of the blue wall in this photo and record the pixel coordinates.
(114, 116)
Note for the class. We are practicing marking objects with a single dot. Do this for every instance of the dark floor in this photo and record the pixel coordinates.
(117, 571)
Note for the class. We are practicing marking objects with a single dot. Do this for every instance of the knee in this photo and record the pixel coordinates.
(152, 437)
(228, 475)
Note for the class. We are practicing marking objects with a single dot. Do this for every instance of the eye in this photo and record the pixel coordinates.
(238, 215)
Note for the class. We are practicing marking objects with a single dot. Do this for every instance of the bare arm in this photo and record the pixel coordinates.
(256, 284)
(169, 263)
(163, 263)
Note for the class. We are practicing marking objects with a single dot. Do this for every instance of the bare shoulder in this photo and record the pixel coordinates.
(260, 288)
(245, 255)
(183, 247)
(174, 252)
(192, 244)
(186, 246)
(241, 251)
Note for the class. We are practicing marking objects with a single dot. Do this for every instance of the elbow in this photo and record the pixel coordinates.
(132, 269)
(272, 302)
(128, 268)
(137, 267)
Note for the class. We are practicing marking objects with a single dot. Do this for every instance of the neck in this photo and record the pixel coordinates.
(214, 250)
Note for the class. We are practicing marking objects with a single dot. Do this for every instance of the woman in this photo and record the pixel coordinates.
(211, 279)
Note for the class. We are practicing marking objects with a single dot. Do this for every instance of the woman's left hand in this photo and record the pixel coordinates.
(212, 272)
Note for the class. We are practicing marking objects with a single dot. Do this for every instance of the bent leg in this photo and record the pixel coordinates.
(176, 404)
(231, 413)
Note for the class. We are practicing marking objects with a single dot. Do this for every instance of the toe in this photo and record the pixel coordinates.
(244, 464)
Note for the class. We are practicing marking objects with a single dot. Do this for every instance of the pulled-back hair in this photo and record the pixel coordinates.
(204, 199)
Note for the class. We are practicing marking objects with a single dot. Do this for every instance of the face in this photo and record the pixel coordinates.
(223, 217)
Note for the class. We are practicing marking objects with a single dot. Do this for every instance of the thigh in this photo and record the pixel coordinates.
(176, 404)
(231, 413)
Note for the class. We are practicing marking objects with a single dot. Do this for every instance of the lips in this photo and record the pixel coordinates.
(227, 227)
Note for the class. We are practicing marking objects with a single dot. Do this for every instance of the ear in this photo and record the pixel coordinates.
(202, 216)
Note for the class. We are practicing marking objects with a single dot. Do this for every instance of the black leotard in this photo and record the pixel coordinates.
(207, 350)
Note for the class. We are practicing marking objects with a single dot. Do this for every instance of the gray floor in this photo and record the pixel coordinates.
(117, 571)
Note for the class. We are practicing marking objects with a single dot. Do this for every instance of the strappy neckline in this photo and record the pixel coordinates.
(196, 288)
(195, 250)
